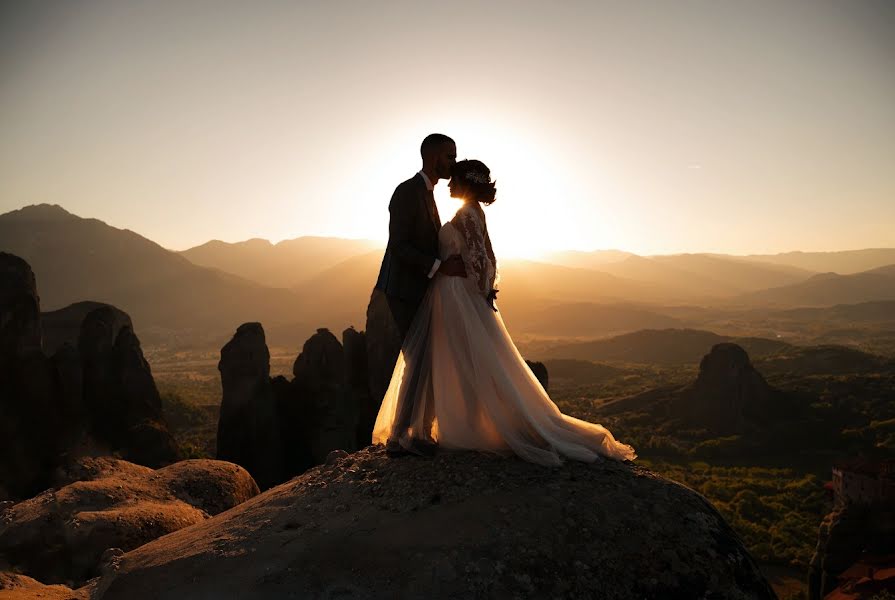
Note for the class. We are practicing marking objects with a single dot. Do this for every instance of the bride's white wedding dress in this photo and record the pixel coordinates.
(467, 384)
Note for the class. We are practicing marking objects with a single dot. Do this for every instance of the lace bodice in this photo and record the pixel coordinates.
(475, 247)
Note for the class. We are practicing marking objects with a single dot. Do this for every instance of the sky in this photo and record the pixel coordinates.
(654, 127)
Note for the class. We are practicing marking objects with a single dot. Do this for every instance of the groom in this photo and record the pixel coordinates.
(411, 257)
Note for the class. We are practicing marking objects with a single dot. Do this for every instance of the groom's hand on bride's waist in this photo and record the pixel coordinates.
(452, 266)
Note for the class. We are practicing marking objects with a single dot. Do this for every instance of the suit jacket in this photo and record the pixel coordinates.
(412, 242)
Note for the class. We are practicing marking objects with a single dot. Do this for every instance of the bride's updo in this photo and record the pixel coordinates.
(471, 179)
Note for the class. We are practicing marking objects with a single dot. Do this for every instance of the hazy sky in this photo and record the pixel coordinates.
(652, 127)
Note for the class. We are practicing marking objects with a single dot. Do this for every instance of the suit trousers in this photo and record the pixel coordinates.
(403, 313)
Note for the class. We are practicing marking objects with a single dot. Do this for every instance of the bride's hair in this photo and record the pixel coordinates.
(475, 179)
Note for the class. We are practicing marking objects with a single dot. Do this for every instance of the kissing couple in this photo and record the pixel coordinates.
(459, 382)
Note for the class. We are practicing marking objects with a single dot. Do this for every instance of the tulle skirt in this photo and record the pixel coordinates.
(464, 384)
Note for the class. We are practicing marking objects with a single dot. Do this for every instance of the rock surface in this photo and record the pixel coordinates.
(15, 586)
(459, 525)
(60, 535)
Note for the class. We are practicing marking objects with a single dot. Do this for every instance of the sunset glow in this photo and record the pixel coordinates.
(651, 127)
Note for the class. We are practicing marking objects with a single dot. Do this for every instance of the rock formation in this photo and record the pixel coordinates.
(119, 392)
(540, 371)
(249, 426)
(39, 397)
(61, 535)
(357, 383)
(320, 381)
(19, 308)
(278, 428)
(726, 390)
(383, 342)
(459, 525)
(847, 533)
(15, 586)
(99, 395)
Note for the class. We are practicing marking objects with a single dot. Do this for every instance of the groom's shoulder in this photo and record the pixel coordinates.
(412, 183)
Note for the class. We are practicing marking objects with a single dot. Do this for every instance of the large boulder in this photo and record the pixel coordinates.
(249, 424)
(60, 535)
(15, 586)
(459, 525)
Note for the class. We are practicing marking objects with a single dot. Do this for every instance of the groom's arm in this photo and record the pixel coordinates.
(402, 209)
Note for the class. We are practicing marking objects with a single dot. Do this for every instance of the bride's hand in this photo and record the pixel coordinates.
(453, 266)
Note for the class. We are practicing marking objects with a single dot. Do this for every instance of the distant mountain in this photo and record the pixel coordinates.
(284, 264)
(77, 260)
(587, 260)
(828, 289)
(686, 276)
(731, 273)
(844, 262)
(657, 346)
(534, 297)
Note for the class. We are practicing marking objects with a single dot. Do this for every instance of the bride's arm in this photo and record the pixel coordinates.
(477, 252)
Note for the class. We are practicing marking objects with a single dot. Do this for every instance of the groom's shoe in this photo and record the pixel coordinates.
(422, 447)
(394, 449)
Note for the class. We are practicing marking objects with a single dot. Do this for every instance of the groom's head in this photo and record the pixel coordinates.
(439, 154)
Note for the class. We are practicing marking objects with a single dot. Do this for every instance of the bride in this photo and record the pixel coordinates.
(467, 385)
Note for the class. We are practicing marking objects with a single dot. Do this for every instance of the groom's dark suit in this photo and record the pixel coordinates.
(412, 249)
(411, 259)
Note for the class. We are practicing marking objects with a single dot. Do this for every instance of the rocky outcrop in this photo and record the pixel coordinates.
(119, 391)
(848, 533)
(100, 395)
(459, 525)
(39, 397)
(726, 391)
(277, 428)
(383, 342)
(321, 381)
(15, 586)
(60, 536)
(19, 308)
(249, 426)
(540, 371)
(357, 384)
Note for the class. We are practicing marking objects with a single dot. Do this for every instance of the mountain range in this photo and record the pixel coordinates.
(295, 286)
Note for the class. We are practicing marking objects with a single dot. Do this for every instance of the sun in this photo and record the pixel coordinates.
(528, 218)
(540, 194)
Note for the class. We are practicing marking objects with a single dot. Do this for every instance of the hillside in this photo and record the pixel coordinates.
(78, 259)
(657, 346)
(828, 289)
